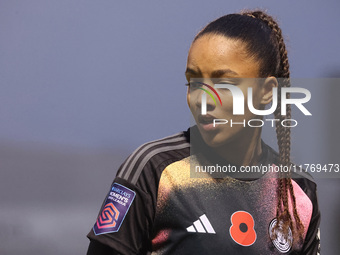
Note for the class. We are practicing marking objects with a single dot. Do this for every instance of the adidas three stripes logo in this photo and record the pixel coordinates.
(202, 225)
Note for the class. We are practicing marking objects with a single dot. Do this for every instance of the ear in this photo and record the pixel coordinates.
(267, 89)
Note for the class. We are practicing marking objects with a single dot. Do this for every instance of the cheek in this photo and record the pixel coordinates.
(255, 100)
(227, 102)
(188, 98)
(193, 98)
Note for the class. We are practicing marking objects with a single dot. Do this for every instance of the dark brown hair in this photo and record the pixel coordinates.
(264, 42)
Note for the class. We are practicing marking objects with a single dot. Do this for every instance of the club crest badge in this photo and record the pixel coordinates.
(282, 243)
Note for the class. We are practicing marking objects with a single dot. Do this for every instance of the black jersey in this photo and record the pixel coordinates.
(155, 207)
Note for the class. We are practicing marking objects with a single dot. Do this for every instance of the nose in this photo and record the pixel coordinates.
(205, 101)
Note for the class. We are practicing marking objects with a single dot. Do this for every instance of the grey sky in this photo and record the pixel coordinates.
(83, 83)
(111, 73)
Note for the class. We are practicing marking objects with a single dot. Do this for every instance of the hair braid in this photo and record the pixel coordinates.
(264, 42)
(285, 185)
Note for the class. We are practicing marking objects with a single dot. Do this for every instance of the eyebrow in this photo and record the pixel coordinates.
(219, 73)
(192, 71)
(214, 74)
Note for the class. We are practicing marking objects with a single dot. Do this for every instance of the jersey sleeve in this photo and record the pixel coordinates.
(312, 241)
(124, 223)
(124, 219)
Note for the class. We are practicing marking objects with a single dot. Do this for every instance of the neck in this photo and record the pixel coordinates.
(243, 151)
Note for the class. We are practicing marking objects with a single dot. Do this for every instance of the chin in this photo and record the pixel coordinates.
(215, 140)
(221, 137)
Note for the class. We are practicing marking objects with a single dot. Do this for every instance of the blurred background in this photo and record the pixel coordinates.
(83, 83)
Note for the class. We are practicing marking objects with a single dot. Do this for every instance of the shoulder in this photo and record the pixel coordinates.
(154, 156)
(301, 177)
(307, 184)
(304, 179)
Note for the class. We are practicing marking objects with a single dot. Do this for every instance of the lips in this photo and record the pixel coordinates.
(206, 122)
(206, 119)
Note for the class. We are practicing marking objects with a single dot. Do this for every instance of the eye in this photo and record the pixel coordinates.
(227, 81)
(232, 82)
(194, 85)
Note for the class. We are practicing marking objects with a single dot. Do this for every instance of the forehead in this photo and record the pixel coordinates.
(216, 52)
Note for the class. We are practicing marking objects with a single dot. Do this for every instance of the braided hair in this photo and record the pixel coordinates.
(264, 42)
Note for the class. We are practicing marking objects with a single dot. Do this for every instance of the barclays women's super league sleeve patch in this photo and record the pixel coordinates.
(115, 208)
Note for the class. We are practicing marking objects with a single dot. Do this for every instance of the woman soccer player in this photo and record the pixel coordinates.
(157, 205)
